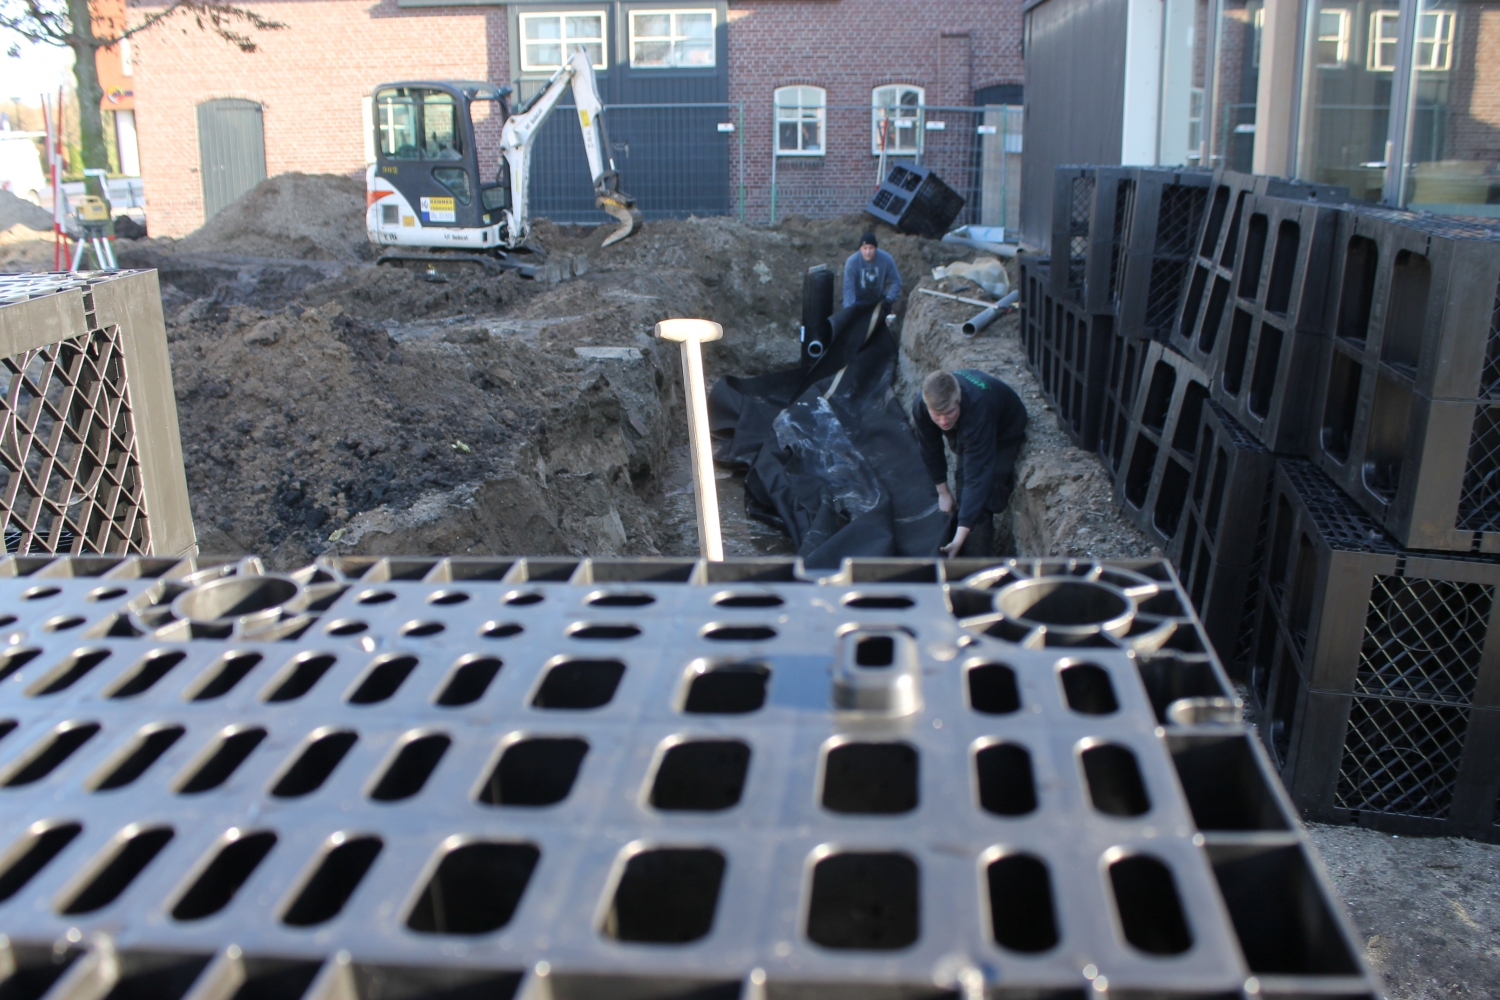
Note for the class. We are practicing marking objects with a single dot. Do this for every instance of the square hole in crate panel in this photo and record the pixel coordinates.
(1401, 757)
(578, 684)
(1279, 915)
(535, 772)
(1224, 784)
(42, 759)
(216, 885)
(298, 677)
(1114, 780)
(666, 896)
(701, 775)
(1357, 290)
(338, 873)
(1006, 785)
(117, 866)
(156, 975)
(878, 778)
(1171, 678)
(145, 673)
(412, 766)
(469, 680)
(222, 675)
(34, 968)
(475, 889)
(1423, 638)
(866, 901)
(214, 767)
(263, 978)
(320, 755)
(366, 981)
(1022, 915)
(1149, 908)
(993, 689)
(149, 744)
(30, 854)
(725, 687)
(1088, 689)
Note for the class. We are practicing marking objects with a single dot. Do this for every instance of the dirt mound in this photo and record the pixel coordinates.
(24, 249)
(306, 216)
(19, 211)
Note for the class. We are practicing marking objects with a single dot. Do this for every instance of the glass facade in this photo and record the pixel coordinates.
(1400, 103)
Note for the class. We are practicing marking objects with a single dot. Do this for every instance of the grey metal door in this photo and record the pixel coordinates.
(231, 151)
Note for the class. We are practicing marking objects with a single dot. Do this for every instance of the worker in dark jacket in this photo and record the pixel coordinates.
(984, 422)
(870, 275)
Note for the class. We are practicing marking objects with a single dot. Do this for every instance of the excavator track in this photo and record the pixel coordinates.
(442, 263)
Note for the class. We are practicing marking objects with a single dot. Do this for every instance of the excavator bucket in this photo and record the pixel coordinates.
(621, 207)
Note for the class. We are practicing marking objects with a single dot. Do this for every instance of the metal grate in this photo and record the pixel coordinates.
(1424, 638)
(1479, 503)
(1080, 215)
(70, 477)
(1489, 380)
(1401, 757)
(1179, 220)
(1124, 211)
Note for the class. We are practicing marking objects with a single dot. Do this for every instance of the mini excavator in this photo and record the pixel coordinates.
(426, 196)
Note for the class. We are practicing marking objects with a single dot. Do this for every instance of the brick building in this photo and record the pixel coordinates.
(301, 96)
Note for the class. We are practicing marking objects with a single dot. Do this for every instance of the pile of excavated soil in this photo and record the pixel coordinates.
(16, 211)
(24, 249)
(329, 404)
(307, 216)
(1062, 504)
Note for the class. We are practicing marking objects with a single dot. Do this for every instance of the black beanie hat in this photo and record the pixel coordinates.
(870, 239)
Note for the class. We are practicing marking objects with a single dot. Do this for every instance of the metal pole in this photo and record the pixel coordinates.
(741, 131)
(690, 333)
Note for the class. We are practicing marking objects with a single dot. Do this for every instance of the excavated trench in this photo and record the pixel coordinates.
(330, 405)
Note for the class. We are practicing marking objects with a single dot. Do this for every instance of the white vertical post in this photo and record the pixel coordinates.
(690, 333)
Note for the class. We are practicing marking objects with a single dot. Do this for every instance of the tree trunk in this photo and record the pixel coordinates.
(90, 94)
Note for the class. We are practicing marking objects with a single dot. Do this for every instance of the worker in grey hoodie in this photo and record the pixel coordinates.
(870, 275)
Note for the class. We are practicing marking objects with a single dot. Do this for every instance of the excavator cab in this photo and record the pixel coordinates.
(427, 187)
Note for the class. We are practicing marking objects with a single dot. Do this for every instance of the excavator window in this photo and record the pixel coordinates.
(441, 137)
(396, 126)
(455, 179)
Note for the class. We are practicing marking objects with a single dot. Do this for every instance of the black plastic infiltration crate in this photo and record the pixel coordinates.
(1375, 669)
(1166, 222)
(1127, 355)
(1408, 408)
(1271, 330)
(1155, 474)
(1218, 548)
(1091, 215)
(915, 200)
(641, 778)
(1068, 350)
(1211, 282)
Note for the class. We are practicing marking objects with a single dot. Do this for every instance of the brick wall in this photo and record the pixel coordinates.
(310, 80)
(848, 47)
(311, 77)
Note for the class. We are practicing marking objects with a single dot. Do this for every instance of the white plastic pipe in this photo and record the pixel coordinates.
(690, 333)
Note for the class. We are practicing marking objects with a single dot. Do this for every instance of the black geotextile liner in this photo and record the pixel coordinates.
(840, 471)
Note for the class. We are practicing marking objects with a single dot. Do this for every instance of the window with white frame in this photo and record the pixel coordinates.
(672, 39)
(548, 39)
(1333, 37)
(1195, 125)
(1435, 40)
(896, 119)
(801, 113)
(1385, 31)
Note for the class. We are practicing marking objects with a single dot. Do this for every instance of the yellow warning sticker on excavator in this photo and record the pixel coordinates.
(438, 209)
(583, 116)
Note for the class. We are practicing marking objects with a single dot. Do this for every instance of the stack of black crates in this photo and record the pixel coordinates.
(1298, 399)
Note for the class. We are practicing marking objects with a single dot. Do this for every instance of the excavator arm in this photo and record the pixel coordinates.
(520, 130)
